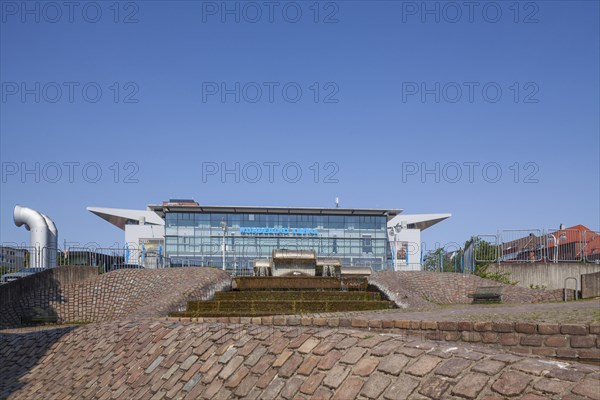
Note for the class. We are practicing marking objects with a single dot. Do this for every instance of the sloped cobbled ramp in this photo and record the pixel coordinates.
(172, 359)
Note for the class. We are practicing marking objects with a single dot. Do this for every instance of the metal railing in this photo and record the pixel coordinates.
(536, 245)
(18, 261)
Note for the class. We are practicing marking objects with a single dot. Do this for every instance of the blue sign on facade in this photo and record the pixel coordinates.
(279, 231)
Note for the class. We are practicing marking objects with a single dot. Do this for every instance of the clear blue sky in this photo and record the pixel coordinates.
(371, 59)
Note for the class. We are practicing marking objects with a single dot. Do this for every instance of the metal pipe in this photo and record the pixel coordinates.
(36, 224)
(52, 249)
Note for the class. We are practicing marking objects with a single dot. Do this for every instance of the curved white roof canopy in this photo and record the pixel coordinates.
(417, 221)
(120, 217)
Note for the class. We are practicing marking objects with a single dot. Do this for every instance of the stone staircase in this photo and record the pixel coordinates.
(263, 296)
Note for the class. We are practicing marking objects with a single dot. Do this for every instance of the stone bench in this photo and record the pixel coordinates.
(486, 294)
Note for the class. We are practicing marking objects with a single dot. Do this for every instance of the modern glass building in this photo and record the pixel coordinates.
(195, 235)
(234, 237)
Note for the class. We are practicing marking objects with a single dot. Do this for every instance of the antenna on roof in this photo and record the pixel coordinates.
(337, 202)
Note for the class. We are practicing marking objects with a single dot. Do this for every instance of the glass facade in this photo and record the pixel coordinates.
(196, 238)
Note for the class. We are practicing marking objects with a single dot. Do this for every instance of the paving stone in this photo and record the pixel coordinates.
(511, 383)
(266, 378)
(375, 386)
(566, 374)
(507, 358)
(385, 348)
(329, 360)
(336, 376)
(489, 367)
(373, 341)
(212, 389)
(255, 356)
(588, 388)
(401, 388)
(530, 366)
(434, 387)
(410, 351)
(322, 394)
(393, 364)
(352, 355)
(235, 379)
(312, 383)
(192, 382)
(309, 345)
(228, 355)
(453, 367)
(189, 362)
(278, 345)
(349, 389)
(154, 364)
(222, 394)
(211, 373)
(551, 386)
(244, 388)
(346, 343)
(272, 391)
(279, 361)
(290, 366)
(292, 387)
(423, 365)
(533, 396)
(365, 367)
(324, 347)
(231, 366)
(247, 348)
(470, 385)
(308, 365)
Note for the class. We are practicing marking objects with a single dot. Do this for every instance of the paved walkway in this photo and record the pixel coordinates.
(583, 311)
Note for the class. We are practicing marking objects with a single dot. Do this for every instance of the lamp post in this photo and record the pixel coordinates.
(561, 237)
(394, 231)
(224, 227)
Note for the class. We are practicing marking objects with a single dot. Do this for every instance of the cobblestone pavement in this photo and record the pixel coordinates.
(118, 294)
(147, 359)
(581, 312)
(419, 289)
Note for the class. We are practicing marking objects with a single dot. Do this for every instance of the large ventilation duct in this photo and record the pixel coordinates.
(44, 236)
(52, 250)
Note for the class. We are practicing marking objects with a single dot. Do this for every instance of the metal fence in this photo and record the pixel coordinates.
(536, 245)
(18, 261)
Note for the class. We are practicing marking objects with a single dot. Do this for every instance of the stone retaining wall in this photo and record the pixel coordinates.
(574, 341)
(549, 275)
(590, 285)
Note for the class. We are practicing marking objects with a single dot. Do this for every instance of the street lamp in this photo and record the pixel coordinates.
(224, 227)
(561, 237)
(394, 231)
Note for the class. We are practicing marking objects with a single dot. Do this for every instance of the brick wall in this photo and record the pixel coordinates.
(117, 294)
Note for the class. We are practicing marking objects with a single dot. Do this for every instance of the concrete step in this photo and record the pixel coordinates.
(275, 307)
(300, 283)
(297, 295)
